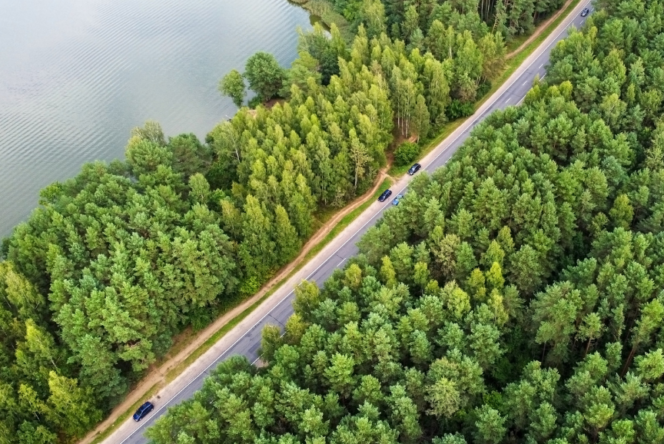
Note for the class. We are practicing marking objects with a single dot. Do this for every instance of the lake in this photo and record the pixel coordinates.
(77, 75)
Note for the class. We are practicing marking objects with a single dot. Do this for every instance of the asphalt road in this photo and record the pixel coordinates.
(249, 342)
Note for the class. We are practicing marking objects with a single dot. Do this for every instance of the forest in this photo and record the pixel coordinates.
(514, 296)
(412, 21)
(118, 260)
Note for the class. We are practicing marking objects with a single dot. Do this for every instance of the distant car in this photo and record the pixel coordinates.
(143, 411)
(414, 169)
(383, 197)
(585, 12)
(396, 199)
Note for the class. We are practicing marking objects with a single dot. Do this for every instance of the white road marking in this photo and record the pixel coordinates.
(317, 268)
(503, 93)
(342, 261)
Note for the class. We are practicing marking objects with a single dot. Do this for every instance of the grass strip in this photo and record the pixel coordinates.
(216, 336)
(343, 223)
(518, 59)
(205, 346)
(324, 10)
(516, 42)
(448, 128)
(511, 66)
(338, 228)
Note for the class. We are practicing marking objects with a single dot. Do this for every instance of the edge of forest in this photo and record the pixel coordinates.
(541, 33)
(448, 329)
(203, 340)
(543, 26)
(324, 11)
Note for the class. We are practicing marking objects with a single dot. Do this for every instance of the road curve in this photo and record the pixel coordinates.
(245, 338)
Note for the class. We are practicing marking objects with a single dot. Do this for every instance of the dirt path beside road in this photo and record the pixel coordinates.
(157, 376)
(540, 29)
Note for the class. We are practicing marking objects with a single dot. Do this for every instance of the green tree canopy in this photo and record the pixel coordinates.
(232, 85)
(264, 75)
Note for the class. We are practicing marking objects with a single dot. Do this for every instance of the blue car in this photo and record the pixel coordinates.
(143, 411)
(383, 197)
(396, 199)
(414, 169)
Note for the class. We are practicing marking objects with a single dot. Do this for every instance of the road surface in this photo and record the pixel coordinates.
(245, 338)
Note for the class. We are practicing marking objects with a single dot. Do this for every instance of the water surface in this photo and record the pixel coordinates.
(77, 75)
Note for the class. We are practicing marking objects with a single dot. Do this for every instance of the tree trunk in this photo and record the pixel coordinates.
(587, 347)
(629, 360)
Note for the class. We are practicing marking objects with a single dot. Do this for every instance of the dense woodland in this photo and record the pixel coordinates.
(412, 20)
(514, 296)
(121, 258)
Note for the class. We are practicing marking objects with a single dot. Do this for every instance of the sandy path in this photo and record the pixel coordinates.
(157, 376)
(540, 29)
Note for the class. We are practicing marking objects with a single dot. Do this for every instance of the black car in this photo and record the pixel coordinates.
(585, 12)
(383, 197)
(414, 169)
(143, 411)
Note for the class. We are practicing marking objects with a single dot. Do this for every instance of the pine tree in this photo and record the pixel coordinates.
(420, 118)
(286, 237)
(232, 85)
(257, 248)
(69, 406)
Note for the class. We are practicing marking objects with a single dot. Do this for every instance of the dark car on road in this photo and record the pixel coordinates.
(414, 169)
(585, 12)
(143, 411)
(383, 197)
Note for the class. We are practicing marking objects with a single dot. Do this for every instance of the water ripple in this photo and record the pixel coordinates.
(77, 75)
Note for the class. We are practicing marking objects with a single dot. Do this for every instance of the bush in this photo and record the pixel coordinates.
(406, 153)
(255, 101)
(483, 89)
(458, 109)
(250, 286)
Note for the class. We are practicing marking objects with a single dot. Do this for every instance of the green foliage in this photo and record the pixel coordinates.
(121, 258)
(323, 146)
(319, 54)
(514, 296)
(264, 75)
(483, 89)
(190, 156)
(125, 261)
(458, 109)
(325, 11)
(38, 397)
(255, 101)
(232, 85)
(406, 153)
